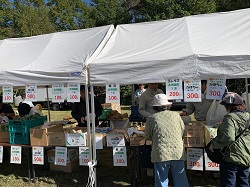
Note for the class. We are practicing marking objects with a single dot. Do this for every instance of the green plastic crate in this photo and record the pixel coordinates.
(23, 126)
(19, 138)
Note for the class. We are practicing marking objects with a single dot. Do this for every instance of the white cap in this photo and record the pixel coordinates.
(161, 100)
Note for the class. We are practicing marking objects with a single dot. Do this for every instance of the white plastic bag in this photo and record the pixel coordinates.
(215, 113)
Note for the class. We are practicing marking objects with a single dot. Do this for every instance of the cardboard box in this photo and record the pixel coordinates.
(210, 133)
(115, 140)
(4, 137)
(51, 135)
(113, 106)
(119, 124)
(194, 135)
(76, 139)
(69, 168)
(137, 141)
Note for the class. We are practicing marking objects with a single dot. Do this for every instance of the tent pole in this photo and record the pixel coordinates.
(133, 94)
(47, 92)
(247, 101)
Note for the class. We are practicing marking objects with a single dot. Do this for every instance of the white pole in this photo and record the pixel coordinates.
(47, 92)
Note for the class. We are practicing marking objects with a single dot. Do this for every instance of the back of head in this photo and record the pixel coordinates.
(231, 98)
(160, 102)
(23, 109)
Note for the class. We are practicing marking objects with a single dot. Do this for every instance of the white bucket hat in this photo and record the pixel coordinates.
(161, 100)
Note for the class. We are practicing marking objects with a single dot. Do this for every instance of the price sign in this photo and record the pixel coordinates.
(73, 93)
(15, 154)
(195, 159)
(174, 88)
(37, 155)
(57, 93)
(1, 154)
(31, 92)
(83, 156)
(215, 88)
(192, 91)
(61, 156)
(112, 93)
(209, 165)
(119, 156)
(7, 94)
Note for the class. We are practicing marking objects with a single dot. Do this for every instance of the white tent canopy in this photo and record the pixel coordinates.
(51, 58)
(198, 46)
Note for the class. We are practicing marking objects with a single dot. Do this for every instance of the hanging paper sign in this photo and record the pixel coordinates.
(209, 165)
(192, 91)
(7, 94)
(120, 156)
(15, 154)
(83, 156)
(31, 92)
(37, 155)
(73, 94)
(112, 93)
(61, 156)
(215, 88)
(57, 93)
(1, 154)
(174, 89)
(195, 159)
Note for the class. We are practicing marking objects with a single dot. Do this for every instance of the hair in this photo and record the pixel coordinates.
(23, 109)
(161, 108)
(1, 99)
(235, 107)
(203, 81)
(82, 87)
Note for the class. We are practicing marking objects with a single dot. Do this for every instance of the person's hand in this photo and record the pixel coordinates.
(184, 113)
(211, 148)
(82, 120)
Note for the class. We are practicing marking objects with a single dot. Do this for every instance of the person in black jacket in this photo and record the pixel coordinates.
(79, 109)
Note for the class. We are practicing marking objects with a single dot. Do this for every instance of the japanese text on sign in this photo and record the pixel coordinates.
(73, 94)
(61, 156)
(7, 94)
(112, 93)
(83, 156)
(215, 88)
(192, 91)
(31, 92)
(174, 89)
(119, 156)
(37, 155)
(195, 159)
(57, 93)
(15, 154)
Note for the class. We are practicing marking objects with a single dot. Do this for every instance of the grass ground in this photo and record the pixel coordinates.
(15, 175)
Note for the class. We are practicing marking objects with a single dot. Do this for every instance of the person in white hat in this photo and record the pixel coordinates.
(166, 128)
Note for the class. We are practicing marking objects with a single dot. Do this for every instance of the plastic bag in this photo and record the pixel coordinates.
(215, 113)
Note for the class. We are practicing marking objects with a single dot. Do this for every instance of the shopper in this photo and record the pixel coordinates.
(165, 128)
(234, 171)
(138, 93)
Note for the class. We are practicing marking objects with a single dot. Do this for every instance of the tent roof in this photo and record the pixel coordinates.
(51, 58)
(197, 46)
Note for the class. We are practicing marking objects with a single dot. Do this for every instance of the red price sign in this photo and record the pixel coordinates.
(197, 164)
(15, 159)
(192, 95)
(172, 94)
(7, 98)
(73, 97)
(212, 164)
(214, 93)
(31, 96)
(58, 97)
(120, 161)
(113, 98)
(37, 159)
(60, 160)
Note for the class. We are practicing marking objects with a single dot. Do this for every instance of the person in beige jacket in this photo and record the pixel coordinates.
(166, 128)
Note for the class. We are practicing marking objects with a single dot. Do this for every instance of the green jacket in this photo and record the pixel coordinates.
(232, 125)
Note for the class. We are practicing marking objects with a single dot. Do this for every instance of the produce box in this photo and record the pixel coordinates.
(119, 124)
(47, 135)
(113, 106)
(74, 138)
(210, 133)
(115, 140)
(194, 134)
(4, 137)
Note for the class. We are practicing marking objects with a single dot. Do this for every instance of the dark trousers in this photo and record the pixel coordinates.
(232, 175)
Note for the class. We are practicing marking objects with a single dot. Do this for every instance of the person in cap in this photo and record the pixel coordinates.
(235, 168)
(166, 128)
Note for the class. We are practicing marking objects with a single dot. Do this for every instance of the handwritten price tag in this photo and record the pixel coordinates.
(112, 93)
(174, 88)
(192, 91)
(83, 156)
(15, 154)
(195, 159)
(61, 156)
(7, 94)
(57, 93)
(37, 155)
(119, 156)
(73, 94)
(209, 165)
(215, 88)
(31, 92)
